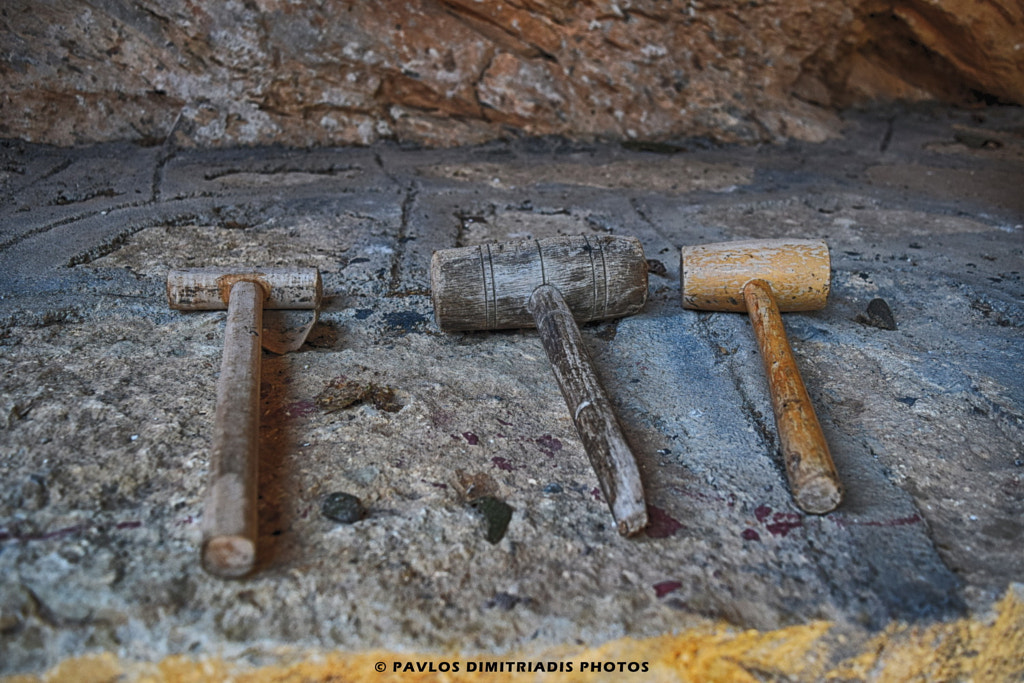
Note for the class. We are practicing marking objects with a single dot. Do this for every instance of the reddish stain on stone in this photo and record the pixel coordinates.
(750, 535)
(596, 493)
(472, 438)
(663, 588)
(548, 444)
(762, 512)
(301, 409)
(502, 464)
(660, 524)
(506, 424)
(784, 522)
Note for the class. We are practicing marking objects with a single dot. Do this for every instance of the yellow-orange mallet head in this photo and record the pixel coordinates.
(712, 276)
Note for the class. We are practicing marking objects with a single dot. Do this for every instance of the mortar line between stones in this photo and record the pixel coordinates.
(32, 182)
(634, 204)
(33, 232)
(408, 202)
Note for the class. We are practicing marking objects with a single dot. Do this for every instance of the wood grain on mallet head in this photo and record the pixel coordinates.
(713, 275)
(487, 287)
(204, 289)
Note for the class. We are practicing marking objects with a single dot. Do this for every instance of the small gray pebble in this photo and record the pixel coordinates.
(342, 507)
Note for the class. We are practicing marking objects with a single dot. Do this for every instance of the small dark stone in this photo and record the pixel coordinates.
(553, 488)
(505, 601)
(656, 267)
(879, 310)
(498, 514)
(878, 315)
(342, 507)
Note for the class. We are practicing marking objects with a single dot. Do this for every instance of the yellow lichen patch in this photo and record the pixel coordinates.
(973, 649)
(961, 650)
(101, 668)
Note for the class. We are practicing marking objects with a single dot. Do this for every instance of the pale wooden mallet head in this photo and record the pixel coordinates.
(552, 284)
(229, 510)
(763, 277)
(208, 289)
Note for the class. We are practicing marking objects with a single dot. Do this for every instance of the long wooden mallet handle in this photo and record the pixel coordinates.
(809, 467)
(591, 411)
(229, 511)
(764, 277)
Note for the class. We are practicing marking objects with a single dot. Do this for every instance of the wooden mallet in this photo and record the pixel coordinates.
(552, 284)
(229, 510)
(764, 277)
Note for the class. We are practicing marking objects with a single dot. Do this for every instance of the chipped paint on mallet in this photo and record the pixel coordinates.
(229, 509)
(764, 277)
(553, 284)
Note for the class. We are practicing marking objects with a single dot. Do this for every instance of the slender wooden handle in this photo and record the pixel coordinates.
(812, 474)
(229, 512)
(599, 430)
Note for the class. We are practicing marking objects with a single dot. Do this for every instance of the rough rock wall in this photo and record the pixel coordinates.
(445, 72)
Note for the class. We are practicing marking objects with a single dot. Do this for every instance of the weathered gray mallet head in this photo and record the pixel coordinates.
(488, 287)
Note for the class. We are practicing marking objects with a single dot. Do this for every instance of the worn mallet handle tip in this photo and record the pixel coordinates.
(819, 495)
(229, 557)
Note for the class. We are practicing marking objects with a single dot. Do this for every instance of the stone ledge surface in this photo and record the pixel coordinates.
(106, 398)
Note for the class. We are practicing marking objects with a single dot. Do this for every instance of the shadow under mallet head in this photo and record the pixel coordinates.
(764, 277)
(553, 284)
